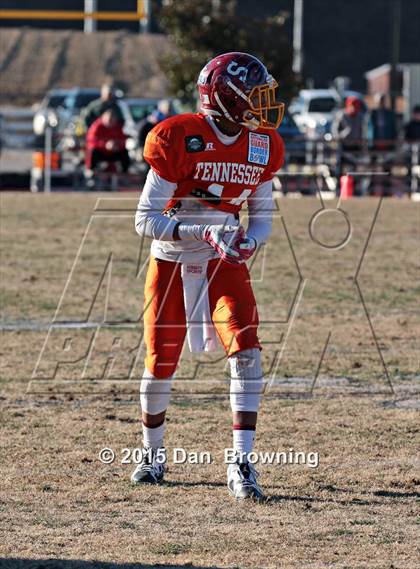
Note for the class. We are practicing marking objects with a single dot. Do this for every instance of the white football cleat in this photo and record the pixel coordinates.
(242, 481)
(151, 469)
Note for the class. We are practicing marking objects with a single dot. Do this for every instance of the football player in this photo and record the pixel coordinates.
(204, 167)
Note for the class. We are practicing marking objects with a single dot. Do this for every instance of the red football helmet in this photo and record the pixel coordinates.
(237, 86)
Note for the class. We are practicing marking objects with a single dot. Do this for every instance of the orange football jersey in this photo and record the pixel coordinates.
(184, 149)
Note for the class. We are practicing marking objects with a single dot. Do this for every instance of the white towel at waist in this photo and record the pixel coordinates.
(201, 334)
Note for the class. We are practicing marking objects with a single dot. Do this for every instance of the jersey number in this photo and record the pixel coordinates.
(217, 190)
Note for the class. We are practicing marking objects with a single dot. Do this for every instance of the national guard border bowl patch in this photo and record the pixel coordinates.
(194, 143)
(258, 148)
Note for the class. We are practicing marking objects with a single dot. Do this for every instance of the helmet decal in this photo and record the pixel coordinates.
(235, 69)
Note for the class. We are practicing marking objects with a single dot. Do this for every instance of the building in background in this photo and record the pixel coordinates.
(408, 84)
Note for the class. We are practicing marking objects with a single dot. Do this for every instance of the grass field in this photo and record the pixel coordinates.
(340, 328)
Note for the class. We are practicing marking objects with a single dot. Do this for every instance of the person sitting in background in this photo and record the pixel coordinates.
(382, 126)
(96, 108)
(412, 128)
(105, 142)
(350, 125)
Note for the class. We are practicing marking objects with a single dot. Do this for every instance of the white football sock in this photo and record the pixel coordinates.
(153, 438)
(243, 443)
(154, 393)
(247, 380)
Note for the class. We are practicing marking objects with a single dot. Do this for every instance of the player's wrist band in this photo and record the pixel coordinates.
(175, 233)
(186, 231)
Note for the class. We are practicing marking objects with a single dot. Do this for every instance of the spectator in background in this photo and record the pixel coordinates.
(1, 133)
(96, 108)
(350, 125)
(162, 112)
(382, 126)
(412, 128)
(105, 142)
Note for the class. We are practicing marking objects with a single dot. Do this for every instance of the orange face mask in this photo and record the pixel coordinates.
(264, 106)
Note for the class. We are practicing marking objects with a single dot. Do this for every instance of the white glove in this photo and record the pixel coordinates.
(229, 241)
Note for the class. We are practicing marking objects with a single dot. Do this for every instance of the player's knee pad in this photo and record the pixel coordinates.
(247, 380)
(154, 393)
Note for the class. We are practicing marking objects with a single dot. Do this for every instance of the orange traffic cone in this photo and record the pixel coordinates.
(346, 187)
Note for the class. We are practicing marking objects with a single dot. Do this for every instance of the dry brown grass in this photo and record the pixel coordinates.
(357, 509)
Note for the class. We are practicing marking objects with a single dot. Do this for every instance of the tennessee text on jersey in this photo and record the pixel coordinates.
(184, 149)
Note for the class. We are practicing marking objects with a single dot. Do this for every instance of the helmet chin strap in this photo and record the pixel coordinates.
(223, 108)
(251, 124)
(211, 112)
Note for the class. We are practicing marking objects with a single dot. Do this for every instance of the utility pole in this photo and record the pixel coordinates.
(90, 23)
(143, 9)
(395, 55)
(298, 37)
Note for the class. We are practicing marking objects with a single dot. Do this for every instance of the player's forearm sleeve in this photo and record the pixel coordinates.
(260, 213)
(149, 218)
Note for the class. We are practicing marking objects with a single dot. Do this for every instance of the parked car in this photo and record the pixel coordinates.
(71, 127)
(134, 111)
(78, 99)
(313, 110)
(49, 109)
